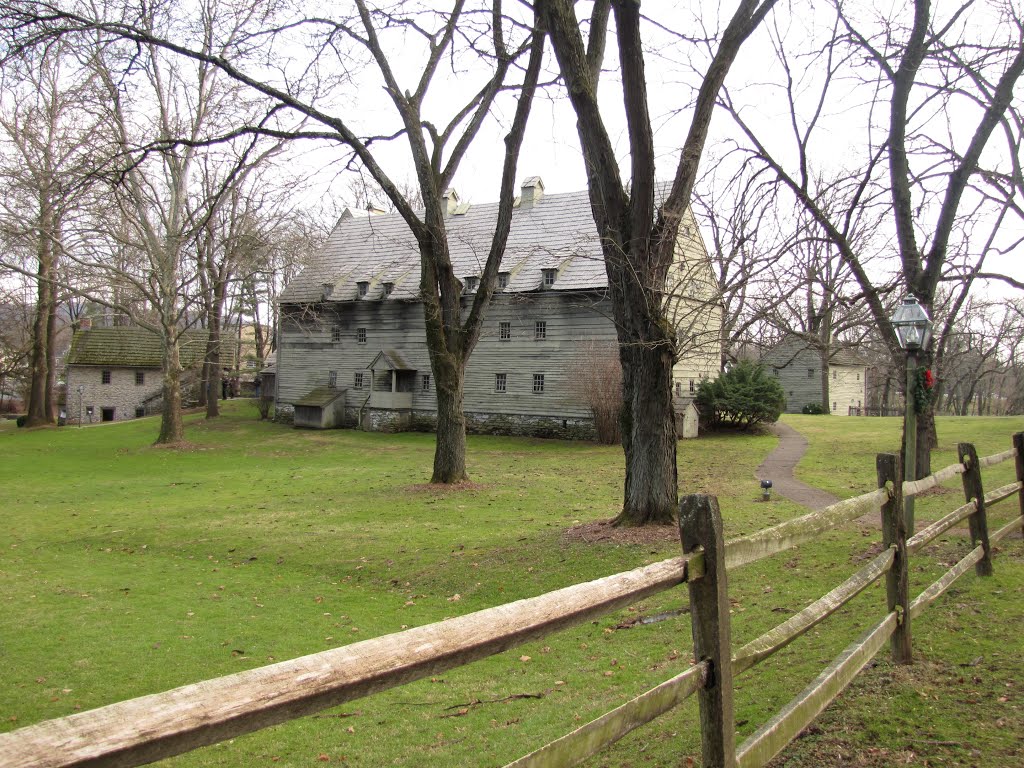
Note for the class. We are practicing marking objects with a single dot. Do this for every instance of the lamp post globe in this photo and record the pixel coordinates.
(913, 328)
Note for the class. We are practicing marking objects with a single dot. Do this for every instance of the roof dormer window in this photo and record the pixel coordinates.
(470, 284)
(503, 280)
(362, 288)
(550, 275)
(388, 288)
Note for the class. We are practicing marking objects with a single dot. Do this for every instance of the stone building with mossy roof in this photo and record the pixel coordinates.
(115, 373)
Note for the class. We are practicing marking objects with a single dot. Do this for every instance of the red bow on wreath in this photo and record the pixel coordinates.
(923, 383)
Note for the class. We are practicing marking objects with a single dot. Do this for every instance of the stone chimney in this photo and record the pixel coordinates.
(531, 192)
(375, 209)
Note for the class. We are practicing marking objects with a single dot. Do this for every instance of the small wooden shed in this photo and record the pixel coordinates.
(323, 408)
(687, 417)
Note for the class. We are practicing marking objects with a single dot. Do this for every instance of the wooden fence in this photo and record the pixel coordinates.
(153, 727)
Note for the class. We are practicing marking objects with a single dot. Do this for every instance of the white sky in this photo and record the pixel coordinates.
(551, 148)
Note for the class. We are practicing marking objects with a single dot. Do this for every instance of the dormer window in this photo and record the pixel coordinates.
(363, 288)
(470, 284)
(550, 275)
(388, 288)
(326, 289)
(503, 280)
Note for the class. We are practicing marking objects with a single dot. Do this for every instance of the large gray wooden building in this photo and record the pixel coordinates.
(351, 322)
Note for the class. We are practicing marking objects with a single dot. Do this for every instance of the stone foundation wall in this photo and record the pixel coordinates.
(516, 425)
(381, 420)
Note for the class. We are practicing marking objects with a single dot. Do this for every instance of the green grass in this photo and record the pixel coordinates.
(127, 569)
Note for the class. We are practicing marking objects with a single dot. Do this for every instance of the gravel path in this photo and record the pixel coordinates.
(778, 467)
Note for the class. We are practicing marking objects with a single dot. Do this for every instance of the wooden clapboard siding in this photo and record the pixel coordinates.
(694, 307)
(572, 320)
(798, 369)
(552, 232)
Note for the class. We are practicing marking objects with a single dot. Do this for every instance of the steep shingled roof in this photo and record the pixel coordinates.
(793, 346)
(133, 347)
(555, 232)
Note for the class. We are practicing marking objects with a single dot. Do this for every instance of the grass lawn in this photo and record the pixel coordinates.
(127, 569)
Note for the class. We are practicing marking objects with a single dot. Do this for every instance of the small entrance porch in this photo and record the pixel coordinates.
(392, 383)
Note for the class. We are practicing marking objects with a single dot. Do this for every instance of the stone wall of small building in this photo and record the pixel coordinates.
(122, 394)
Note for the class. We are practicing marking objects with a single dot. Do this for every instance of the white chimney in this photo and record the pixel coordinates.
(531, 192)
(451, 198)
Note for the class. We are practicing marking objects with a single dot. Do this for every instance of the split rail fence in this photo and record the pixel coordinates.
(153, 727)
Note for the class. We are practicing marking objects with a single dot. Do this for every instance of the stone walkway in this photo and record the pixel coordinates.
(778, 467)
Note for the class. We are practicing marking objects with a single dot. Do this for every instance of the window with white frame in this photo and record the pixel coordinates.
(357, 382)
(363, 288)
(388, 288)
(504, 330)
(538, 383)
(105, 377)
(336, 333)
(501, 382)
(332, 379)
(470, 284)
(503, 280)
(426, 382)
(140, 378)
(550, 275)
(540, 330)
(360, 335)
(693, 386)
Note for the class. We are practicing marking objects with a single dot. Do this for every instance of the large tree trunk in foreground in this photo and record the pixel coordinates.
(450, 451)
(648, 436)
(171, 429)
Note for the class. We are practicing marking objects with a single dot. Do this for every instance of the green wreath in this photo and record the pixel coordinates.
(924, 382)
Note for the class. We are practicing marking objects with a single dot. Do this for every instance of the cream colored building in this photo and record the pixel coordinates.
(695, 310)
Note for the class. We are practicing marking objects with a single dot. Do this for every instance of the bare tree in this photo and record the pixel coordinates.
(639, 231)
(937, 85)
(437, 147)
(748, 237)
(596, 374)
(163, 126)
(50, 133)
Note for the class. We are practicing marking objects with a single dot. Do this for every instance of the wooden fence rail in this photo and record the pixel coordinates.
(153, 727)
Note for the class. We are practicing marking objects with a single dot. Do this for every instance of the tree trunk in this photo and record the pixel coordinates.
(38, 402)
(171, 429)
(826, 391)
(51, 355)
(212, 364)
(450, 451)
(648, 435)
(647, 349)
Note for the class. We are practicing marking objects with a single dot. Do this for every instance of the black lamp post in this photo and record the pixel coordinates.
(914, 331)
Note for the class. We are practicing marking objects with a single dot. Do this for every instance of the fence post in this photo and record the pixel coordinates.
(973, 489)
(700, 525)
(894, 531)
(1018, 446)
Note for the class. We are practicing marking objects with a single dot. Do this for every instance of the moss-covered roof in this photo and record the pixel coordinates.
(320, 397)
(133, 347)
